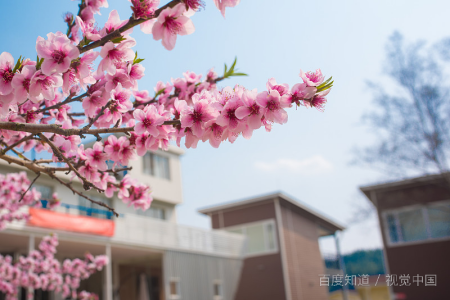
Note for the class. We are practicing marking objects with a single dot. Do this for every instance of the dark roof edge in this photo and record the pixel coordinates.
(270, 196)
(408, 181)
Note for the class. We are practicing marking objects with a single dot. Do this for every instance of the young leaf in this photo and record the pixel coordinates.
(117, 40)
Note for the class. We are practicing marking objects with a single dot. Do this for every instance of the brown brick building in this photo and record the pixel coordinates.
(414, 217)
(283, 259)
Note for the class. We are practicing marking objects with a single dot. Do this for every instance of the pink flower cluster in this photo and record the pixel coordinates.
(12, 187)
(39, 92)
(41, 270)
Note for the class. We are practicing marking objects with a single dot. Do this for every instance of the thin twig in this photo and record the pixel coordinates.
(34, 180)
(102, 111)
(68, 100)
(86, 184)
(17, 143)
(69, 186)
(131, 23)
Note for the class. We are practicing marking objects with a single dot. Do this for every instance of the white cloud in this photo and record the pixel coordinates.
(313, 165)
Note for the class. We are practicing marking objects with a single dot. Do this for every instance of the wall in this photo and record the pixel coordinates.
(262, 275)
(421, 258)
(164, 190)
(304, 260)
(165, 193)
(196, 275)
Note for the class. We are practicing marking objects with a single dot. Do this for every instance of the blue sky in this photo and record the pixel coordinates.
(309, 156)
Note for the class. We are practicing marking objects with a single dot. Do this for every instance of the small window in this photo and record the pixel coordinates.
(87, 208)
(418, 224)
(260, 237)
(392, 227)
(255, 238)
(153, 212)
(270, 239)
(439, 219)
(218, 294)
(45, 190)
(174, 288)
(156, 165)
(412, 225)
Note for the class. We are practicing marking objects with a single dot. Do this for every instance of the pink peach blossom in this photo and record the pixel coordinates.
(170, 23)
(148, 119)
(6, 73)
(57, 51)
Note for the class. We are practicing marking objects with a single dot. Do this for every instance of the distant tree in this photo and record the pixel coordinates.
(360, 262)
(412, 120)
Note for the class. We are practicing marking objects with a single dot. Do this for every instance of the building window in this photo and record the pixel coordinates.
(174, 288)
(218, 293)
(260, 237)
(153, 212)
(439, 220)
(418, 223)
(87, 208)
(46, 193)
(45, 190)
(156, 165)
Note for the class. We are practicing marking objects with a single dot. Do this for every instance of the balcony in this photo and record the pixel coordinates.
(135, 230)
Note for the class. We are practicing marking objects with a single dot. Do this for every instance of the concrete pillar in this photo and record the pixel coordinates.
(116, 280)
(31, 246)
(342, 266)
(108, 285)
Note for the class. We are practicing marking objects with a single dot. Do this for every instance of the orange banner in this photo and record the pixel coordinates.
(50, 219)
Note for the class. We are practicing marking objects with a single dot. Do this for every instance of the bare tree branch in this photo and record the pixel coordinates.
(34, 180)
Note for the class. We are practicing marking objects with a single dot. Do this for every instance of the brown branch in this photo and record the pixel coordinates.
(78, 114)
(68, 100)
(154, 100)
(131, 23)
(55, 128)
(117, 170)
(43, 161)
(15, 151)
(16, 143)
(37, 169)
(24, 163)
(34, 180)
(81, 6)
(102, 111)
(86, 184)
(69, 186)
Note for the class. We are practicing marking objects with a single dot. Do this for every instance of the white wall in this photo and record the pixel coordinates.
(166, 193)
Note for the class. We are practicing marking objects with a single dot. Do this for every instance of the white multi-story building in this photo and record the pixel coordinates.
(151, 257)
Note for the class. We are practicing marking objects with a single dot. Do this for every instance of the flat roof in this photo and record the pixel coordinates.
(281, 195)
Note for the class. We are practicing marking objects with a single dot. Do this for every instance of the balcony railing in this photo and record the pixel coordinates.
(134, 229)
(131, 229)
(88, 211)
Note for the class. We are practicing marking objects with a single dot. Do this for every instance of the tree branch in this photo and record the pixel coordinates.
(69, 186)
(34, 180)
(16, 143)
(86, 184)
(131, 23)
(55, 128)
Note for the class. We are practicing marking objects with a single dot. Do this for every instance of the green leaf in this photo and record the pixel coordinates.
(159, 93)
(117, 40)
(138, 60)
(232, 71)
(18, 64)
(39, 62)
(327, 84)
(234, 64)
